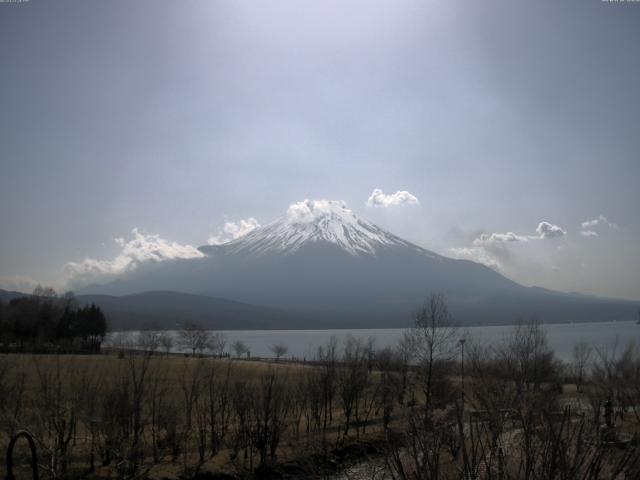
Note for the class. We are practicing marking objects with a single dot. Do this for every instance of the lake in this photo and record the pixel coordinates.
(561, 337)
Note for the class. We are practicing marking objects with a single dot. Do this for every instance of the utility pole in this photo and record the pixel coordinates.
(465, 458)
(462, 340)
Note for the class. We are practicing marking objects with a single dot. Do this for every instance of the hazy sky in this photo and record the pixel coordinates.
(174, 117)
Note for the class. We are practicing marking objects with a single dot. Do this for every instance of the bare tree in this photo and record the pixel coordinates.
(270, 409)
(279, 350)
(299, 403)
(149, 340)
(219, 399)
(156, 403)
(433, 340)
(138, 381)
(195, 338)
(218, 343)
(615, 377)
(514, 394)
(389, 366)
(405, 355)
(527, 358)
(328, 359)
(91, 383)
(239, 348)
(581, 356)
(13, 385)
(353, 379)
(166, 342)
(192, 386)
(243, 422)
(420, 450)
(57, 405)
(120, 342)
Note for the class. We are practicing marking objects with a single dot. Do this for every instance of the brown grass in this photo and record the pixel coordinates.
(171, 370)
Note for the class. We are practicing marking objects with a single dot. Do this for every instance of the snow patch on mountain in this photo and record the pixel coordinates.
(311, 221)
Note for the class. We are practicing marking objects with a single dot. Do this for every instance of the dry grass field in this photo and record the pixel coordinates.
(108, 416)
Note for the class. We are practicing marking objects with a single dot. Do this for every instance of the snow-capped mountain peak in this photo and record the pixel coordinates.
(311, 221)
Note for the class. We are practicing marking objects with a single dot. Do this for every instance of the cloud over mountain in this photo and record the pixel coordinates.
(309, 210)
(495, 238)
(491, 249)
(234, 230)
(379, 199)
(140, 249)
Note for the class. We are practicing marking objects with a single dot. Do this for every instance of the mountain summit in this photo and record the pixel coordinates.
(313, 221)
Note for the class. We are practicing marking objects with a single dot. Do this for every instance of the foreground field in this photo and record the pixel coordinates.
(118, 416)
(404, 411)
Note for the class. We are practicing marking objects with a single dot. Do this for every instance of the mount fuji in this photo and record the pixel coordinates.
(320, 266)
(310, 222)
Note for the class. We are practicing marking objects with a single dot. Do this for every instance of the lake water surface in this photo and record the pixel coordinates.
(561, 337)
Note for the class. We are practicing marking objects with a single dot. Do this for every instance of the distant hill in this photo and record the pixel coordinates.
(169, 310)
(7, 295)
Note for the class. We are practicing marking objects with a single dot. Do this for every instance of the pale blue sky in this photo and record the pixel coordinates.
(174, 117)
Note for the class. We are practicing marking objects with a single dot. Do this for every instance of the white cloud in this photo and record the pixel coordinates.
(479, 255)
(600, 221)
(379, 199)
(491, 249)
(547, 230)
(543, 231)
(494, 238)
(309, 210)
(234, 230)
(140, 249)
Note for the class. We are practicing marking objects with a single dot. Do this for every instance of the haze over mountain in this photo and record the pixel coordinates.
(334, 269)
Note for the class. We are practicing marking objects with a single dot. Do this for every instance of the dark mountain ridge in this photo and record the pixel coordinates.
(171, 310)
